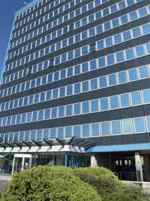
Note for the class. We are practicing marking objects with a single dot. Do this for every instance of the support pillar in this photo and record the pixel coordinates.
(13, 166)
(139, 167)
(66, 160)
(94, 163)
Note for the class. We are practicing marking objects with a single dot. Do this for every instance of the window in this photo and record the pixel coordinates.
(105, 126)
(77, 131)
(139, 125)
(69, 110)
(95, 130)
(86, 130)
(128, 126)
(85, 107)
(144, 72)
(68, 133)
(124, 100)
(146, 95)
(136, 98)
(94, 84)
(77, 108)
(112, 80)
(103, 82)
(104, 104)
(133, 74)
(122, 77)
(94, 104)
(85, 86)
(114, 102)
(116, 127)
(60, 133)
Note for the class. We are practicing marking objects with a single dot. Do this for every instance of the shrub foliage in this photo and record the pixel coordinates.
(49, 184)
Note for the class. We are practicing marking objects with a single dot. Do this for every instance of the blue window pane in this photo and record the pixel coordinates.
(100, 44)
(117, 38)
(94, 105)
(69, 110)
(54, 113)
(94, 84)
(77, 88)
(104, 104)
(128, 126)
(101, 62)
(130, 54)
(146, 28)
(144, 72)
(146, 95)
(116, 127)
(110, 59)
(69, 90)
(61, 111)
(68, 132)
(133, 74)
(95, 130)
(53, 133)
(109, 42)
(85, 107)
(122, 77)
(93, 65)
(85, 86)
(140, 51)
(103, 82)
(139, 125)
(114, 102)
(86, 130)
(120, 56)
(77, 108)
(136, 98)
(77, 70)
(148, 123)
(84, 67)
(62, 91)
(77, 131)
(112, 79)
(60, 133)
(125, 100)
(105, 126)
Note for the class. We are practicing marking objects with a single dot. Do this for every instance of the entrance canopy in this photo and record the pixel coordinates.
(120, 148)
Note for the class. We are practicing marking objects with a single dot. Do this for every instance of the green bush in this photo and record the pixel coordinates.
(49, 184)
(108, 186)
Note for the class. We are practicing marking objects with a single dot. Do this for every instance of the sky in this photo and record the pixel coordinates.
(7, 11)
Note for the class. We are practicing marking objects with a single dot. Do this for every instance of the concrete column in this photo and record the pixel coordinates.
(139, 167)
(13, 166)
(94, 163)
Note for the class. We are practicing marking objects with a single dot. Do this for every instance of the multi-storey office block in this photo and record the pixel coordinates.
(76, 86)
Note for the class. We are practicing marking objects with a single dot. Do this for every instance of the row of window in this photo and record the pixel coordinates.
(53, 35)
(25, 71)
(91, 32)
(102, 62)
(53, 20)
(124, 36)
(120, 101)
(101, 82)
(104, 43)
(26, 15)
(18, 62)
(79, 11)
(98, 129)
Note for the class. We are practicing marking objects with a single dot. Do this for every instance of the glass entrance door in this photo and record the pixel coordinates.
(21, 162)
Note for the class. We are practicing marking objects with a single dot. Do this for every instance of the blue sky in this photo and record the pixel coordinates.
(7, 11)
